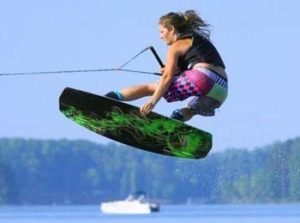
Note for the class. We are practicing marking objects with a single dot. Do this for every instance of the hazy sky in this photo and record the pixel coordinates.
(258, 39)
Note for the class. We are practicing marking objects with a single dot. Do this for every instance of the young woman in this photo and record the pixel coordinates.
(193, 67)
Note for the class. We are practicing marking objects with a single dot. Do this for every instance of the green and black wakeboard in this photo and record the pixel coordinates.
(124, 123)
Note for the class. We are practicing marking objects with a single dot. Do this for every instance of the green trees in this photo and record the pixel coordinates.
(294, 170)
(81, 172)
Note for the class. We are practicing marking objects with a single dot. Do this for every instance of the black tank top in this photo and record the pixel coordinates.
(202, 50)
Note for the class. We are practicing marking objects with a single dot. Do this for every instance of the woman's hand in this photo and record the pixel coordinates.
(147, 108)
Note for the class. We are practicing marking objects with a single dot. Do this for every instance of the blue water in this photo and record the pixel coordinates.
(168, 214)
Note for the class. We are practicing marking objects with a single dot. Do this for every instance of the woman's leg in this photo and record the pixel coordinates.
(138, 91)
(183, 114)
(134, 92)
(188, 113)
(210, 89)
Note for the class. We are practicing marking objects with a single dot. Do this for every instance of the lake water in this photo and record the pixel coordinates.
(168, 214)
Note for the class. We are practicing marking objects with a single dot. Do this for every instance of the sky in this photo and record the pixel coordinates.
(258, 40)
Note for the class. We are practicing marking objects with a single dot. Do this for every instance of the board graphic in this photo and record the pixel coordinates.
(124, 123)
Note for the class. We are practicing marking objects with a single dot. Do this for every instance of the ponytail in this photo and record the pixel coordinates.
(187, 22)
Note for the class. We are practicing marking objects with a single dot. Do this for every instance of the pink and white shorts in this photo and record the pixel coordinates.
(206, 85)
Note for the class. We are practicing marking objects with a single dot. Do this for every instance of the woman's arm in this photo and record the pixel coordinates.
(166, 79)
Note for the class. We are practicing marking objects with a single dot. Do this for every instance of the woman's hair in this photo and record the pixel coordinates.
(185, 23)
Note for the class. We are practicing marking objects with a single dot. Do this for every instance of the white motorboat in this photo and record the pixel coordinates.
(131, 205)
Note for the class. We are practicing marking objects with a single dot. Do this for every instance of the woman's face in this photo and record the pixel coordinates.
(167, 35)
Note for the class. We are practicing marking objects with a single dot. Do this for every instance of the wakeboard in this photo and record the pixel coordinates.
(123, 122)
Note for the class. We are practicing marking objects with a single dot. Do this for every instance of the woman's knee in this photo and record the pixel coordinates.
(151, 87)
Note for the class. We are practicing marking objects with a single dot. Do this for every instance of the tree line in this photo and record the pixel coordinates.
(82, 172)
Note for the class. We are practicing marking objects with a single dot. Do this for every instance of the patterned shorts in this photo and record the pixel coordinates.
(209, 88)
